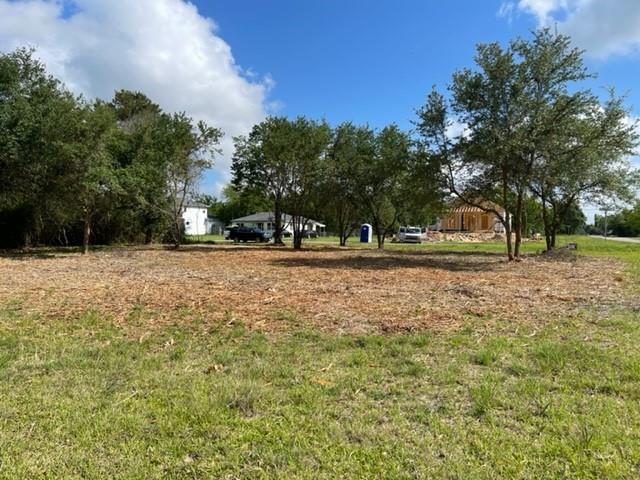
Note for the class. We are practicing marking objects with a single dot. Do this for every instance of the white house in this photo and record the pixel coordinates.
(265, 221)
(195, 218)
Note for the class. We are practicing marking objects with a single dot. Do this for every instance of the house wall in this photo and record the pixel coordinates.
(270, 227)
(195, 221)
(471, 222)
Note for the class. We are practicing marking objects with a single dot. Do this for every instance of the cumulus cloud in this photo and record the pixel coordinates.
(164, 48)
(602, 27)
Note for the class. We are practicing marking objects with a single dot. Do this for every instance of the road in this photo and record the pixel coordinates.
(619, 239)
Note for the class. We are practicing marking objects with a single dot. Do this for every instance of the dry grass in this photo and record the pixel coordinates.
(338, 291)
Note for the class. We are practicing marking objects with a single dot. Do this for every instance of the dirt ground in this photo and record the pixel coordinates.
(271, 289)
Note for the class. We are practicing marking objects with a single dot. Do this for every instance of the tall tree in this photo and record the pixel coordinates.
(382, 180)
(283, 157)
(188, 150)
(351, 146)
(520, 103)
(585, 160)
(93, 169)
(141, 173)
(36, 115)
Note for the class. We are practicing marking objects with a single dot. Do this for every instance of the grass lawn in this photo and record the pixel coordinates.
(84, 397)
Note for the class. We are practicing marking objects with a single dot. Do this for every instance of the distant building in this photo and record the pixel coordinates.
(266, 221)
(215, 226)
(462, 217)
(198, 222)
(195, 218)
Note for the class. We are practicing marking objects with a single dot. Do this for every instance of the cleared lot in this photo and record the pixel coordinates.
(225, 363)
(335, 290)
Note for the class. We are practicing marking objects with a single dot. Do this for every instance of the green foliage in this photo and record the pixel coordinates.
(75, 171)
(283, 158)
(392, 184)
(529, 129)
(36, 143)
(350, 146)
(625, 223)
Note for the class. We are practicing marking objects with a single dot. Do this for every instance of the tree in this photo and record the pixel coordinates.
(586, 160)
(519, 109)
(350, 146)
(188, 150)
(283, 158)
(309, 141)
(83, 171)
(238, 202)
(36, 126)
(624, 223)
(382, 178)
(141, 165)
(575, 221)
(93, 169)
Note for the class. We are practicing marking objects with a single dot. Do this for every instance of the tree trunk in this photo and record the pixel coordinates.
(507, 217)
(277, 234)
(547, 227)
(546, 223)
(507, 231)
(177, 234)
(554, 224)
(518, 226)
(86, 234)
(380, 237)
(148, 235)
(343, 232)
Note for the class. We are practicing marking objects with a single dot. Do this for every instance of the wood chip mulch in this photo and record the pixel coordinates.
(335, 290)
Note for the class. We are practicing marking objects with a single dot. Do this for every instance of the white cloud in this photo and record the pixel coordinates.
(457, 129)
(164, 48)
(602, 27)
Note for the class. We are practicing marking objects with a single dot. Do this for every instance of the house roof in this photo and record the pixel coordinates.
(270, 217)
(460, 207)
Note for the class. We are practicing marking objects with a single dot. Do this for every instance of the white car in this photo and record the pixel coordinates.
(409, 235)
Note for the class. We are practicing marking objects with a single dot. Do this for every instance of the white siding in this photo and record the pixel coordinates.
(195, 221)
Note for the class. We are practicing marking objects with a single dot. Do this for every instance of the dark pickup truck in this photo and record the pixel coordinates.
(246, 234)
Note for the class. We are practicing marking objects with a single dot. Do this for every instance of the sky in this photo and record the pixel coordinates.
(233, 62)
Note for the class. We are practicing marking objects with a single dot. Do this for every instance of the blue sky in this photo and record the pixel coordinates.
(232, 62)
(374, 61)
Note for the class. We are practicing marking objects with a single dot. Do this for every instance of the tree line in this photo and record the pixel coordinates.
(532, 143)
(624, 223)
(345, 175)
(77, 171)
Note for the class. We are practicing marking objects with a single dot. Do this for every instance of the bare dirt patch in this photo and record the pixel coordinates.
(271, 289)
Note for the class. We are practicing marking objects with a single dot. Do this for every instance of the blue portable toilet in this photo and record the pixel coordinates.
(366, 233)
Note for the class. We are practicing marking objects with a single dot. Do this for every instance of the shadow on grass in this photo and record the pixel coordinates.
(452, 261)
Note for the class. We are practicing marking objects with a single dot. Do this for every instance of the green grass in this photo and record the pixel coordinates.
(81, 399)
